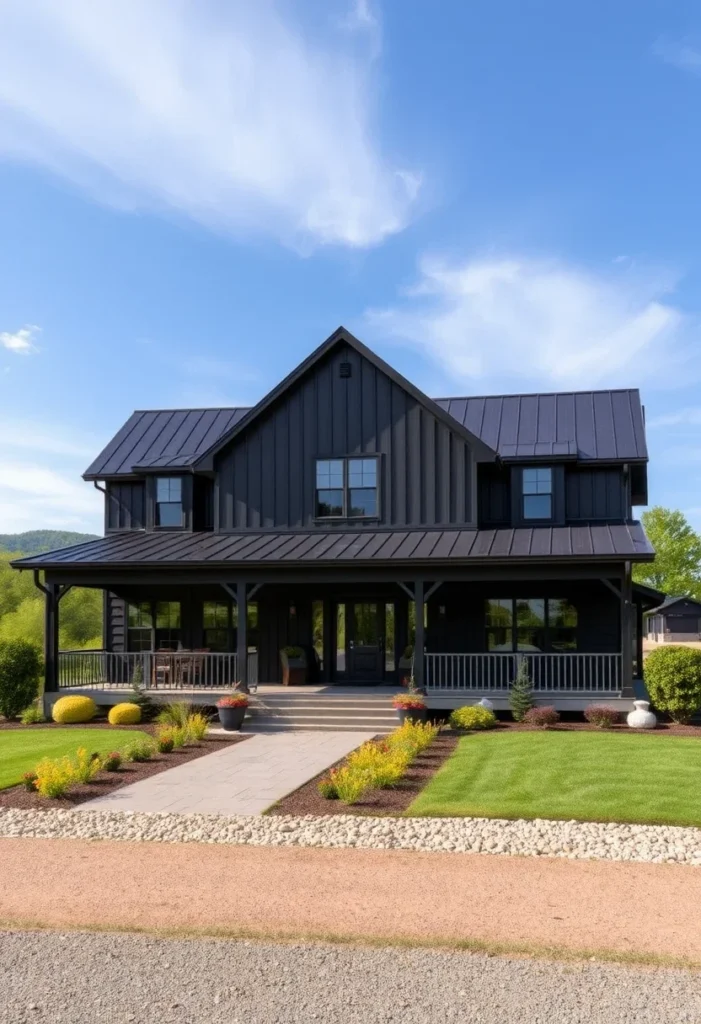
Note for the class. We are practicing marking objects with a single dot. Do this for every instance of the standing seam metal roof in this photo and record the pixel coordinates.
(588, 425)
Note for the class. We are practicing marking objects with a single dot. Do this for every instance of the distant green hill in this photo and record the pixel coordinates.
(33, 542)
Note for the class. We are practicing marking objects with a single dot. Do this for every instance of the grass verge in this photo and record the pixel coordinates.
(20, 749)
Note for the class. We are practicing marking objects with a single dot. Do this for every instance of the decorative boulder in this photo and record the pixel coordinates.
(124, 714)
(642, 717)
(71, 710)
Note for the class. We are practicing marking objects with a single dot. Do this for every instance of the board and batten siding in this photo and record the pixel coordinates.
(126, 505)
(592, 494)
(266, 478)
(115, 623)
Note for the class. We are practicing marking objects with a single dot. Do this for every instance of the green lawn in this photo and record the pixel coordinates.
(20, 749)
(590, 776)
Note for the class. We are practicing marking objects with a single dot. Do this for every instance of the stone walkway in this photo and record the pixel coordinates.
(244, 778)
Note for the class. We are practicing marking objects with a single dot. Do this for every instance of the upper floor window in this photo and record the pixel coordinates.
(169, 501)
(537, 493)
(346, 488)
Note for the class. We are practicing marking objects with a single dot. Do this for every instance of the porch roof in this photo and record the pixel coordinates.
(543, 543)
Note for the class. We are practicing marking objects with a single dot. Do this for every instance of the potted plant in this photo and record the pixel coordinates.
(411, 706)
(294, 666)
(232, 710)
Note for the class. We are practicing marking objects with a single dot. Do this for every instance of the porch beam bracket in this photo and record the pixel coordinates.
(63, 591)
(431, 590)
(614, 589)
(254, 590)
(230, 591)
(407, 590)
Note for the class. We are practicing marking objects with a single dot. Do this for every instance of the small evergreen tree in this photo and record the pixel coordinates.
(521, 696)
(139, 694)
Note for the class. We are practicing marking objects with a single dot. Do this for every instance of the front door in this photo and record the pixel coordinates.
(365, 630)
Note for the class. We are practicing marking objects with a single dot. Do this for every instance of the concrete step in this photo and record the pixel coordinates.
(253, 726)
(310, 717)
(322, 709)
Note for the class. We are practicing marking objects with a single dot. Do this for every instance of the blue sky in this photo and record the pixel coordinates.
(497, 195)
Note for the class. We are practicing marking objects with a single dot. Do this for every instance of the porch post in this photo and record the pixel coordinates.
(51, 591)
(420, 638)
(242, 634)
(627, 632)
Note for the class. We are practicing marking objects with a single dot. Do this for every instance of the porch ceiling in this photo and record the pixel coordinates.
(358, 547)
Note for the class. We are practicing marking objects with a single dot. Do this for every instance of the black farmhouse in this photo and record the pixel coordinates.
(379, 530)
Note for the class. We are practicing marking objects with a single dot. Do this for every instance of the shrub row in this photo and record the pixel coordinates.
(377, 764)
(52, 777)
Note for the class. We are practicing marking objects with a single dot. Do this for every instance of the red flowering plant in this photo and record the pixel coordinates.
(237, 699)
(410, 701)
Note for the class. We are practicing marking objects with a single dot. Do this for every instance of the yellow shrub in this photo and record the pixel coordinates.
(68, 710)
(473, 717)
(383, 765)
(350, 783)
(85, 766)
(413, 737)
(124, 714)
(53, 776)
(196, 726)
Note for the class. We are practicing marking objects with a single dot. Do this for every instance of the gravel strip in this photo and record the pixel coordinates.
(93, 978)
(572, 839)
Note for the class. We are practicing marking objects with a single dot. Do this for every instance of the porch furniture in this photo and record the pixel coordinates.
(294, 666)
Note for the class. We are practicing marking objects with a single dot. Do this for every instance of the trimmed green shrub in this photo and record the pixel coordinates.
(521, 696)
(473, 717)
(33, 715)
(143, 750)
(673, 680)
(112, 762)
(19, 676)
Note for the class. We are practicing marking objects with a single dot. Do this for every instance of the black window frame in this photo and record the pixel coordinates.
(512, 628)
(153, 634)
(347, 488)
(537, 493)
(157, 503)
(231, 626)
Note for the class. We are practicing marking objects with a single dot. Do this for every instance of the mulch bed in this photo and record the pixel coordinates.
(307, 799)
(663, 729)
(107, 782)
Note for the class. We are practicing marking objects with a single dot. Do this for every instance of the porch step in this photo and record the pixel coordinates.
(309, 712)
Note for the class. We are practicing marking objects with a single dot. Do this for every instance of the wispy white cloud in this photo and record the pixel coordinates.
(223, 112)
(546, 322)
(682, 54)
(22, 342)
(40, 484)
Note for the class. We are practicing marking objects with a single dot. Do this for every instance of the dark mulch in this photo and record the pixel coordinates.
(663, 729)
(107, 782)
(307, 799)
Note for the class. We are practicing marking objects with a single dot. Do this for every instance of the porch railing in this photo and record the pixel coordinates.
(160, 670)
(560, 673)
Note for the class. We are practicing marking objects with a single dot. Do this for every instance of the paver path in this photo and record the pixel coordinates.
(243, 778)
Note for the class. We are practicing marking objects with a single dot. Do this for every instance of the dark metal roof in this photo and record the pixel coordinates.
(604, 425)
(669, 601)
(358, 546)
(151, 436)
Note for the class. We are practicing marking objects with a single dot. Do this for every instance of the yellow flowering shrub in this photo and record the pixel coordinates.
(85, 765)
(69, 710)
(473, 717)
(53, 776)
(196, 726)
(383, 765)
(124, 714)
(350, 783)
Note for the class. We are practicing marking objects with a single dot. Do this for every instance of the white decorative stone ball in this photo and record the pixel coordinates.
(485, 703)
(642, 717)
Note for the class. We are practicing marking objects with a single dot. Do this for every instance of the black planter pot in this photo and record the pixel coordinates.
(412, 715)
(231, 719)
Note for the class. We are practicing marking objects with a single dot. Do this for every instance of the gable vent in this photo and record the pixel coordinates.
(345, 369)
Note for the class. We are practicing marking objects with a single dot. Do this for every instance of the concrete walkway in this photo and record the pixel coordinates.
(244, 778)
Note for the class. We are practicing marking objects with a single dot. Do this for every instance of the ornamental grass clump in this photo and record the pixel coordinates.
(85, 765)
(350, 784)
(603, 716)
(143, 750)
(196, 726)
(54, 776)
(473, 717)
(112, 762)
(327, 787)
(542, 717)
(33, 715)
(175, 714)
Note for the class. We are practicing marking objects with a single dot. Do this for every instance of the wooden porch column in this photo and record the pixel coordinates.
(242, 634)
(627, 632)
(51, 603)
(420, 638)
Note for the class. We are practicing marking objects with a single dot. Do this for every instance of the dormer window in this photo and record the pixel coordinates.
(169, 501)
(537, 493)
(346, 488)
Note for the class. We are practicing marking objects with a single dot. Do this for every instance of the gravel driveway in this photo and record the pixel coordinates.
(90, 978)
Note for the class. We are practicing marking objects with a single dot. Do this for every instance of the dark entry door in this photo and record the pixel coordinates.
(366, 634)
